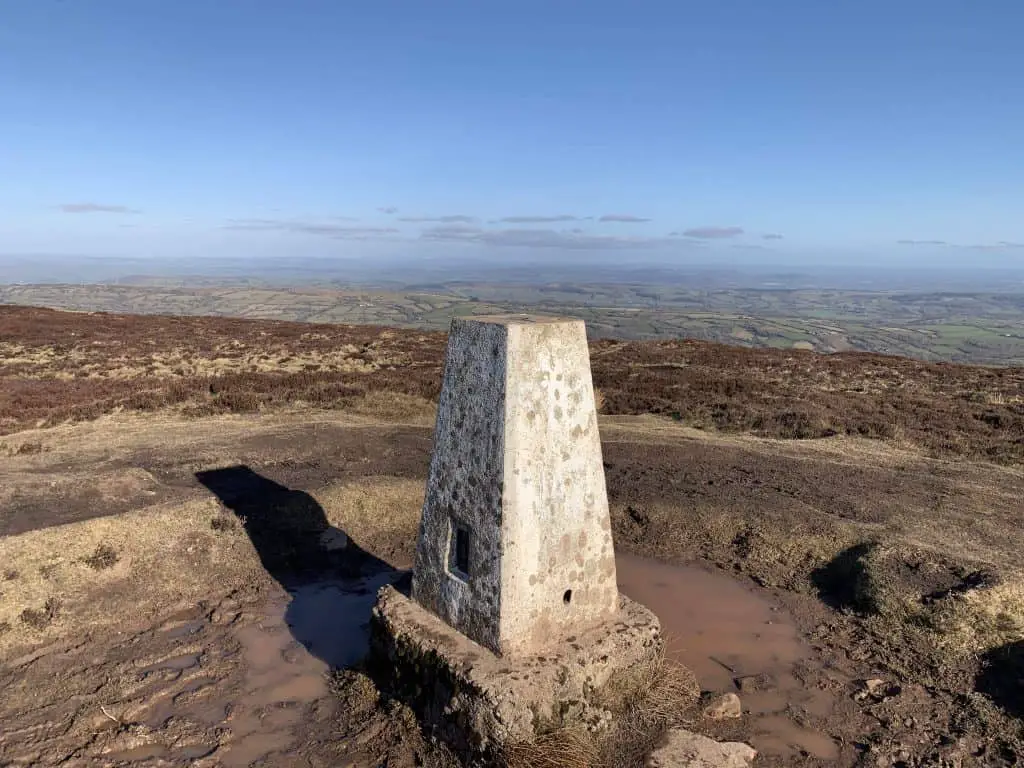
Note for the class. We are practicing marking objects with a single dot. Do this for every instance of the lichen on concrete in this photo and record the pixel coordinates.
(517, 468)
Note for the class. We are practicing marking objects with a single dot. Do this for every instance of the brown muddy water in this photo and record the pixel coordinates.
(288, 653)
(727, 631)
(716, 625)
(730, 634)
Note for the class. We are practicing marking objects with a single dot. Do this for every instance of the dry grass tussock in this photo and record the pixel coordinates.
(644, 700)
(957, 607)
(377, 511)
(652, 693)
(980, 619)
(561, 748)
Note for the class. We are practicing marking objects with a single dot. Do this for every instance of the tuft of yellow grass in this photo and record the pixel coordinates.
(980, 619)
(377, 512)
(560, 748)
(650, 694)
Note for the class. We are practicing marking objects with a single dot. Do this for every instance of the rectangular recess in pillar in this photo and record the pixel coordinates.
(458, 551)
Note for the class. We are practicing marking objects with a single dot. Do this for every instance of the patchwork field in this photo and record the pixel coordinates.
(952, 325)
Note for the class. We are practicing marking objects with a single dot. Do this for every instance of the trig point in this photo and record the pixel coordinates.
(514, 618)
(515, 545)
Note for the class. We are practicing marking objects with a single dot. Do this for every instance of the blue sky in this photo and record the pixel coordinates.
(736, 129)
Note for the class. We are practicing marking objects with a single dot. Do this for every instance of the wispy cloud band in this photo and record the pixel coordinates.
(537, 238)
(622, 218)
(309, 228)
(458, 218)
(95, 208)
(710, 233)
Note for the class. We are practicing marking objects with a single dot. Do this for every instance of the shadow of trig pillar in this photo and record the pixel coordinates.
(515, 546)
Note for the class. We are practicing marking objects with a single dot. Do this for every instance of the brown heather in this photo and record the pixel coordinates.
(63, 366)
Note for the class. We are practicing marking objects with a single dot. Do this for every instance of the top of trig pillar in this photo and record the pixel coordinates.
(515, 319)
(515, 547)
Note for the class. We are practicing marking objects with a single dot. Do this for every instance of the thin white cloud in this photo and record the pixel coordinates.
(622, 218)
(538, 219)
(94, 208)
(537, 238)
(458, 218)
(309, 228)
(1002, 245)
(712, 233)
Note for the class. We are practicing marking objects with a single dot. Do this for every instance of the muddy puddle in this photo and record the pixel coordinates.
(733, 637)
(736, 640)
(231, 683)
(240, 683)
(287, 655)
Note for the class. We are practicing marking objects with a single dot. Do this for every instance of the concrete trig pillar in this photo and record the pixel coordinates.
(515, 546)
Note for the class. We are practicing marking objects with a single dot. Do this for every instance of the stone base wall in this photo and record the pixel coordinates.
(478, 702)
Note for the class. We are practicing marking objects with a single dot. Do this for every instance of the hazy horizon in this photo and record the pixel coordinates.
(401, 273)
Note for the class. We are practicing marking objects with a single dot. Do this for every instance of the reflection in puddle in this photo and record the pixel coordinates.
(332, 619)
(287, 654)
(722, 630)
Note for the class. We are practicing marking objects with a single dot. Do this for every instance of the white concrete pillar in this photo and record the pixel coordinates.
(515, 547)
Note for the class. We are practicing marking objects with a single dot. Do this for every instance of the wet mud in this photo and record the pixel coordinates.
(243, 682)
(737, 640)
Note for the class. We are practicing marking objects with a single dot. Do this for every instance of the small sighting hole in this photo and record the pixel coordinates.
(462, 549)
(567, 597)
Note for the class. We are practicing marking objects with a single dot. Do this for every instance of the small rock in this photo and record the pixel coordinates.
(876, 689)
(874, 685)
(724, 707)
(333, 540)
(750, 683)
(684, 749)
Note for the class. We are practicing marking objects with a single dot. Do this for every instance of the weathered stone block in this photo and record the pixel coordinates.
(515, 546)
(685, 749)
(479, 702)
